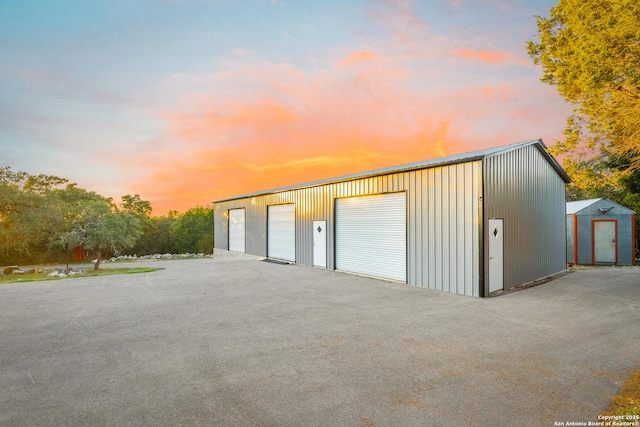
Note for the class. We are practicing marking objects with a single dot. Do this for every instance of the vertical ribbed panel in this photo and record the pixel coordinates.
(442, 222)
(571, 256)
(523, 188)
(444, 219)
(370, 236)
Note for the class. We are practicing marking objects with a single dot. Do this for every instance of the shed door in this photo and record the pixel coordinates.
(281, 232)
(320, 244)
(496, 255)
(236, 230)
(371, 235)
(604, 242)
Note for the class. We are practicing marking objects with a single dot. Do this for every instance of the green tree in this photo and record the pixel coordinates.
(193, 231)
(135, 205)
(590, 50)
(110, 232)
(631, 199)
(93, 221)
(27, 214)
(11, 189)
(594, 177)
(73, 206)
(161, 238)
(141, 209)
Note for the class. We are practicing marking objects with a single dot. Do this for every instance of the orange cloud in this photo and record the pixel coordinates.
(261, 145)
(492, 56)
(282, 126)
(361, 56)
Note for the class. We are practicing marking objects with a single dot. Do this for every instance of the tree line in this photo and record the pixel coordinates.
(45, 218)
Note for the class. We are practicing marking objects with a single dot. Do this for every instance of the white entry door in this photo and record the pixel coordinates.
(320, 244)
(604, 242)
(236, 230)
(496, 255)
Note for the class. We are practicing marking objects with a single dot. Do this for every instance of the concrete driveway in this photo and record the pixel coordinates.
(249, 343)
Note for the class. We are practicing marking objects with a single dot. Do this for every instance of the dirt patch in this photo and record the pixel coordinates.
(628, 401)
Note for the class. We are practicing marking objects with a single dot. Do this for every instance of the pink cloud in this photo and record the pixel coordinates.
(361, 56)
(492, 56)
(408, 33)
(294, 130)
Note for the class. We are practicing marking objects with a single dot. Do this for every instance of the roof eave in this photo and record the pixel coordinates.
(346, 178)
(427, 164)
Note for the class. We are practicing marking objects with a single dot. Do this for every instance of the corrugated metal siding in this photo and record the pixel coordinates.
(521, 187)
(625, 232)
(585, 252)
(571, 256)
(443, 222)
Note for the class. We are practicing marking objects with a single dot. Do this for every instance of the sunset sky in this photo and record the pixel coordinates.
(189, 101)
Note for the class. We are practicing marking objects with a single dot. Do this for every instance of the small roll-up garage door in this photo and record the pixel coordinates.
(281, 232)
(236, 230)
(371, 235)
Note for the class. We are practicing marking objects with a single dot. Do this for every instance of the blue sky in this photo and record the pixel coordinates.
(186, 101)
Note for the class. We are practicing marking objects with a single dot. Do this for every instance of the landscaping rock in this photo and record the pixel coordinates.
(67, 272)
(9, 270)
(136, 257)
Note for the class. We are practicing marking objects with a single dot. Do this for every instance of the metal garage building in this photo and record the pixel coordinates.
(469, 224)
(600, 231)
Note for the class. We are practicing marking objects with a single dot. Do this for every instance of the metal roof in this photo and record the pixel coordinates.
(577, 206)
(573, 207)
(441, 161)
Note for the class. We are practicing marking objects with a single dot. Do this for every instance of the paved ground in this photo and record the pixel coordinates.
(249, 343)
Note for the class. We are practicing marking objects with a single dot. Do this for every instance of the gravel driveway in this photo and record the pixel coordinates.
(246, 343)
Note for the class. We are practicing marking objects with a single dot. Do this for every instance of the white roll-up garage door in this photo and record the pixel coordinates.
(371, 235)
(281, 232)
(236, 230)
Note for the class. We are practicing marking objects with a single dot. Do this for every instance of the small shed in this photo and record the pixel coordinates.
(600, 232)
(471, 224)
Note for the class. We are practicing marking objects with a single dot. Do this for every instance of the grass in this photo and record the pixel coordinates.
(627, 403)
(37, 277)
